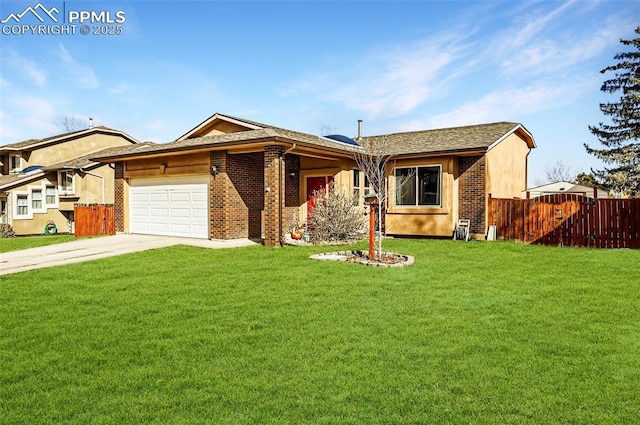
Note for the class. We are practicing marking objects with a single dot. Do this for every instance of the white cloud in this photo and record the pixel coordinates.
(26, 116)
(82, 74)
(511, 104)
(26, 68)
(391, 81)
(557, 51)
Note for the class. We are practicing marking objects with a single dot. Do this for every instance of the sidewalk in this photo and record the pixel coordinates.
(100, 247)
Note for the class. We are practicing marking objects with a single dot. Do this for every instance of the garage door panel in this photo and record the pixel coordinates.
(160, 212)
(171, 209)
(200, 213)
(180, 212)
(139, 197)
(158, 196)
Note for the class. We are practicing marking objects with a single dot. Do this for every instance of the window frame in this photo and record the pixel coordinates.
(66, 189)
(18, 208)
(15, 168)
(37, 197)
(416, 195)
(54, 202)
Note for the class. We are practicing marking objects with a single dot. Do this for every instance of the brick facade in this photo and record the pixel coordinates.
(274, 170)
(240, 206)
(472, 194)
(292, 204)
(119, 196)
(246, 195)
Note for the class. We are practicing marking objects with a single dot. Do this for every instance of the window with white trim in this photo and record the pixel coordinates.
(15, 164)
(50, 195)
(36, 199)
(65, 181)
(22, 205)
(418, 186)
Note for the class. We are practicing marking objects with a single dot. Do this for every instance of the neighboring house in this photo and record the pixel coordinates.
(564, 187)
(42, 179)
(234, 178)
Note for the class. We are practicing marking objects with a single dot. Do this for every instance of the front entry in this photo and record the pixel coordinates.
(315, 184)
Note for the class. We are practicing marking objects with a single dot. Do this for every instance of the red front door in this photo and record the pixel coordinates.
(314, 184)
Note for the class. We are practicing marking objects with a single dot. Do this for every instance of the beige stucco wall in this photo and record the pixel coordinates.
(431, 221)
(89, 186)
(60, 152)
(507, 168)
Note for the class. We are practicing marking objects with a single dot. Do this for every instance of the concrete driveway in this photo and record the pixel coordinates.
(101, 247)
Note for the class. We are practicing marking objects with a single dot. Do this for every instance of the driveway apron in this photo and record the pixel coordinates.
(100, 247)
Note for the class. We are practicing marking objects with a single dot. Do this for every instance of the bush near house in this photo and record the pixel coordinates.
(6, 231)
(334, 218)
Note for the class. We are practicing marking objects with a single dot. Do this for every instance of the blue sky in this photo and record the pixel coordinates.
(314, 66)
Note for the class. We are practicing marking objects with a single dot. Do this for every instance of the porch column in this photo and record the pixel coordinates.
(274, 195)
(218, 196)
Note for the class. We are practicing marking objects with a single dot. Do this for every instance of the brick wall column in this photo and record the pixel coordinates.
(218, 196)
(472, 194)
(119, 196)
(274, 195)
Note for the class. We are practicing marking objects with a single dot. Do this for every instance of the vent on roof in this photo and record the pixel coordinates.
(342, 139)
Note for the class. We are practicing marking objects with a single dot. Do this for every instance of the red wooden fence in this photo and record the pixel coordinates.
(568, 219)
(94, 219)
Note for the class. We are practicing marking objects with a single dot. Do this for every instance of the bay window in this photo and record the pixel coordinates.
(418, 186)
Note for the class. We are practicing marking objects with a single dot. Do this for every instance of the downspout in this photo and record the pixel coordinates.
(526, 170)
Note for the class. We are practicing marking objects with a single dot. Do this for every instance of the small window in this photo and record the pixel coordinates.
(66, 182)
(418, 186)
(50, 193)
(16, 163)
(36, 199)
(22, 205)
(356, 187)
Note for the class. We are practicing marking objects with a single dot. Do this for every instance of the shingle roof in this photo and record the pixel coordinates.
(471, 137)
(268, 133)
(455, 139)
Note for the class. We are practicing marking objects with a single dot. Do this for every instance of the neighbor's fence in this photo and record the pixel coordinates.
(568, 219)
(94, 219)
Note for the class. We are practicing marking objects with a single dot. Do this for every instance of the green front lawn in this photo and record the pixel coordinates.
(472, 333)
(25, 242)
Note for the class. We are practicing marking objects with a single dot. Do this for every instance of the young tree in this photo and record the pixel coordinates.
(372, 160)
(621, 136)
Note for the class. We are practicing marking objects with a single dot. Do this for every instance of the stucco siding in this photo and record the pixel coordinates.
(70, 149)
(507, 168)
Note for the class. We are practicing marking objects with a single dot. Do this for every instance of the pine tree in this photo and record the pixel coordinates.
(621, 136)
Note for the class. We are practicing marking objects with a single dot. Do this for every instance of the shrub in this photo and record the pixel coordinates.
(6, 231)
(335, 218)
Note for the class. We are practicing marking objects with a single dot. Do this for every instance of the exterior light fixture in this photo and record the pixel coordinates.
(214, 170)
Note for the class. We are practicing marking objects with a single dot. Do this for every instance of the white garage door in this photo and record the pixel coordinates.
(170, 207)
